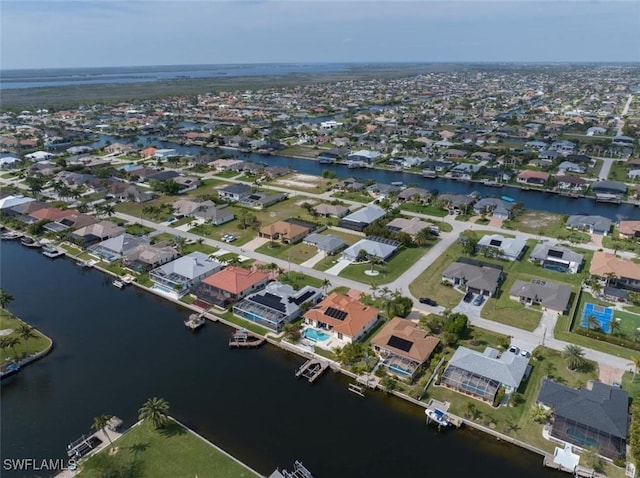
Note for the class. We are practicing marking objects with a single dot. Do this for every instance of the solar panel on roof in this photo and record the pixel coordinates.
(555, 253)
(299, 300)
(335, 313)
(399, 343)
(495, 242)
(269, 300)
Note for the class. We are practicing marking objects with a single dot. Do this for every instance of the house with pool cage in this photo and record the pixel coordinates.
(175, 278)
(403, 347)
(276, 305)
(482, 374)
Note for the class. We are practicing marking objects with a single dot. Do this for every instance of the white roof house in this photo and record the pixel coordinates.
(11, 201)
(507, 248)
(176, 277)
(382, 248)
(39, 156)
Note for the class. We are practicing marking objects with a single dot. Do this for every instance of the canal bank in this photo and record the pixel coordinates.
(118, 347)
(529, 198)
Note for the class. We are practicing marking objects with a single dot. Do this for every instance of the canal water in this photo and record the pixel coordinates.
(116, 348)
(531, 199)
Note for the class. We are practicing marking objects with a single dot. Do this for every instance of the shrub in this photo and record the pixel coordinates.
(499, 396)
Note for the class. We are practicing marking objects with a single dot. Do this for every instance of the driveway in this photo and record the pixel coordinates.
(253, 244)
(312, 261)
(335, 270)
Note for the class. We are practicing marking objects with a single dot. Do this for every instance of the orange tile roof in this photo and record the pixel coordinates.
(629, 227)
(284, 229)
(422, 344)
(358, 314)
(604, 263)
(526, 174)
(52, 213)
(236, 279)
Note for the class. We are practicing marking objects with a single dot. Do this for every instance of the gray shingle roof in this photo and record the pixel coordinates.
(325, 242)
(550, 294)
(541, 252)
(482, 278)
(366, 215)
(191, 266)
(508, 369)
(373, 248)
(597, 223)
(604, 407)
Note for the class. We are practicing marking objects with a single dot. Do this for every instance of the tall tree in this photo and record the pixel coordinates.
(636, 366)
(574, 356)
(26, 332)
(10, 341)
(5, 298)
(155, 410)
(100, 423)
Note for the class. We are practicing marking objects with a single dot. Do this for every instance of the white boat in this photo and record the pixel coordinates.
(118, 284)
(51, 251)
(438, 416)
(10, 236)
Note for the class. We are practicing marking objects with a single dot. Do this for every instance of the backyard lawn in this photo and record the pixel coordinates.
(297, 253)
(9, 325)
(169, 452)
(387, 272)
(424, 209)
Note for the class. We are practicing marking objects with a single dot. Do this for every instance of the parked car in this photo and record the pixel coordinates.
(525, 353)
(515, 350)
(478, 300)
(468, 297)
(428, 301)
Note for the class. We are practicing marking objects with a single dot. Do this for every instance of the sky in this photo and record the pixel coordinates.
(69, 33)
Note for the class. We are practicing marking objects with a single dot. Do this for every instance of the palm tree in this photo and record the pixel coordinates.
(574, 356)
(326, 283)
(593, 323)
(423, 237)
(26, 332)
(100, 423)
(373, 260)
(596, 287)
(5, 298)
(108, 210)
(155, 409)
(614, 326)
(5, 343)
(374, 289)
(636, 366)
(10, 342)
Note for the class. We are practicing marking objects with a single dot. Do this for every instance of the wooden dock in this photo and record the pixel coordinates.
(194, 322)
(358, 390)
(312, 369)
(243, 339)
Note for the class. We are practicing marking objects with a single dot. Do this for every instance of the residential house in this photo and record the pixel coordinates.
(548, 154)
(411, 226)
(9, 202)
(227, 164)
(327, 243)
(117, 247)
(349, 184)
(289, 231)
(230, 285)
(629, 229)
(550, 295)
(615, 188)
(147, 256)
(482, 374)
(373, 246)
(571, 183)
(342, 317)
(186, 207)
(571, 167)
(259, 200)
(333, 210)
(507, 248)
(72, 221)
(360, 219)
(415, 194)
(234, 192)
(213, 214)
(187, 183)
(94, 233)
(403, 347)
(118, 148)
(364, 156)
(175, 278)
(498, 208)
(437, 166)
(556, 258)
(593, 417)
(456, 202)
(276, 305)
(537, 178)
(591, 224)
(615, 272)
(162, 154)
(22, 210)
(478, 277)
(382, 190)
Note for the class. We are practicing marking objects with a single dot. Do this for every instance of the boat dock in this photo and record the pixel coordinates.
(195, 321)
(52, 251)
(312, 369)
(358, 390)
(437, 410)
(243, 339)
(299, 471)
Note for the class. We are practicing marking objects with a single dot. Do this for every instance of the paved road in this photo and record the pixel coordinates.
(625, 110)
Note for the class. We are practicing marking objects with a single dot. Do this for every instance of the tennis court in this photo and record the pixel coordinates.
(604, 315)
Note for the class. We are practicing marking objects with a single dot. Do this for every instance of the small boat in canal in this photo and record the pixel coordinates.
(437, 416)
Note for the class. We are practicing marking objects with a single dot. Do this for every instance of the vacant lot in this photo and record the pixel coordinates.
(304, 182)
(387, 272)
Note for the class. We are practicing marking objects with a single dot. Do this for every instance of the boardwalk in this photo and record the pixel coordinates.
(243, 339)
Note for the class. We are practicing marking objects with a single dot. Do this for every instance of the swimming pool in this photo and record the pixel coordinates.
(316, 336)
(581, 439)
(399, 371)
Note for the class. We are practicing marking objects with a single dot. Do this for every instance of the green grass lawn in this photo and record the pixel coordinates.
(169, 452)
(615, 242)
(423, 209)
(34, 345)
(138, 229)
(629, 322)
(297, 253)
(247, 324)
(387, 272)
(618, 172)
(504, 310)
(204, 248)
(349, 239)
(298, 280)
(357, 196)
(228, 174)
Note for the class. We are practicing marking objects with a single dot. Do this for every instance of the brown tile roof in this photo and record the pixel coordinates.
(52, 213)
(604, 263)
(629, 227)
(284, 229)
(422, 344)
(527, 174)
(358, 314)
(235, 279)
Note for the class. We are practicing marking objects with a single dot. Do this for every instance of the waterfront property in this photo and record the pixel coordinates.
(177, 277)
(556, 258)
(498, 208)
(117, 247)
(94, 233)
(595, 417)
(591, 224)
(147, 256)
(629, 229)
(403, 347)
(482, 374)
(478, 277)
(276, 305)
(342, 317)
(498, 246)
(230, 285)
(550, 295)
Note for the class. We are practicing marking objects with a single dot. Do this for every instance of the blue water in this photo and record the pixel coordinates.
(315, 335)
(399, 371)
(11, 79)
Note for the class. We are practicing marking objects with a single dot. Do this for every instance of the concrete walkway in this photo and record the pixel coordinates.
(253, 244)
(335, 270)
(312, 261)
